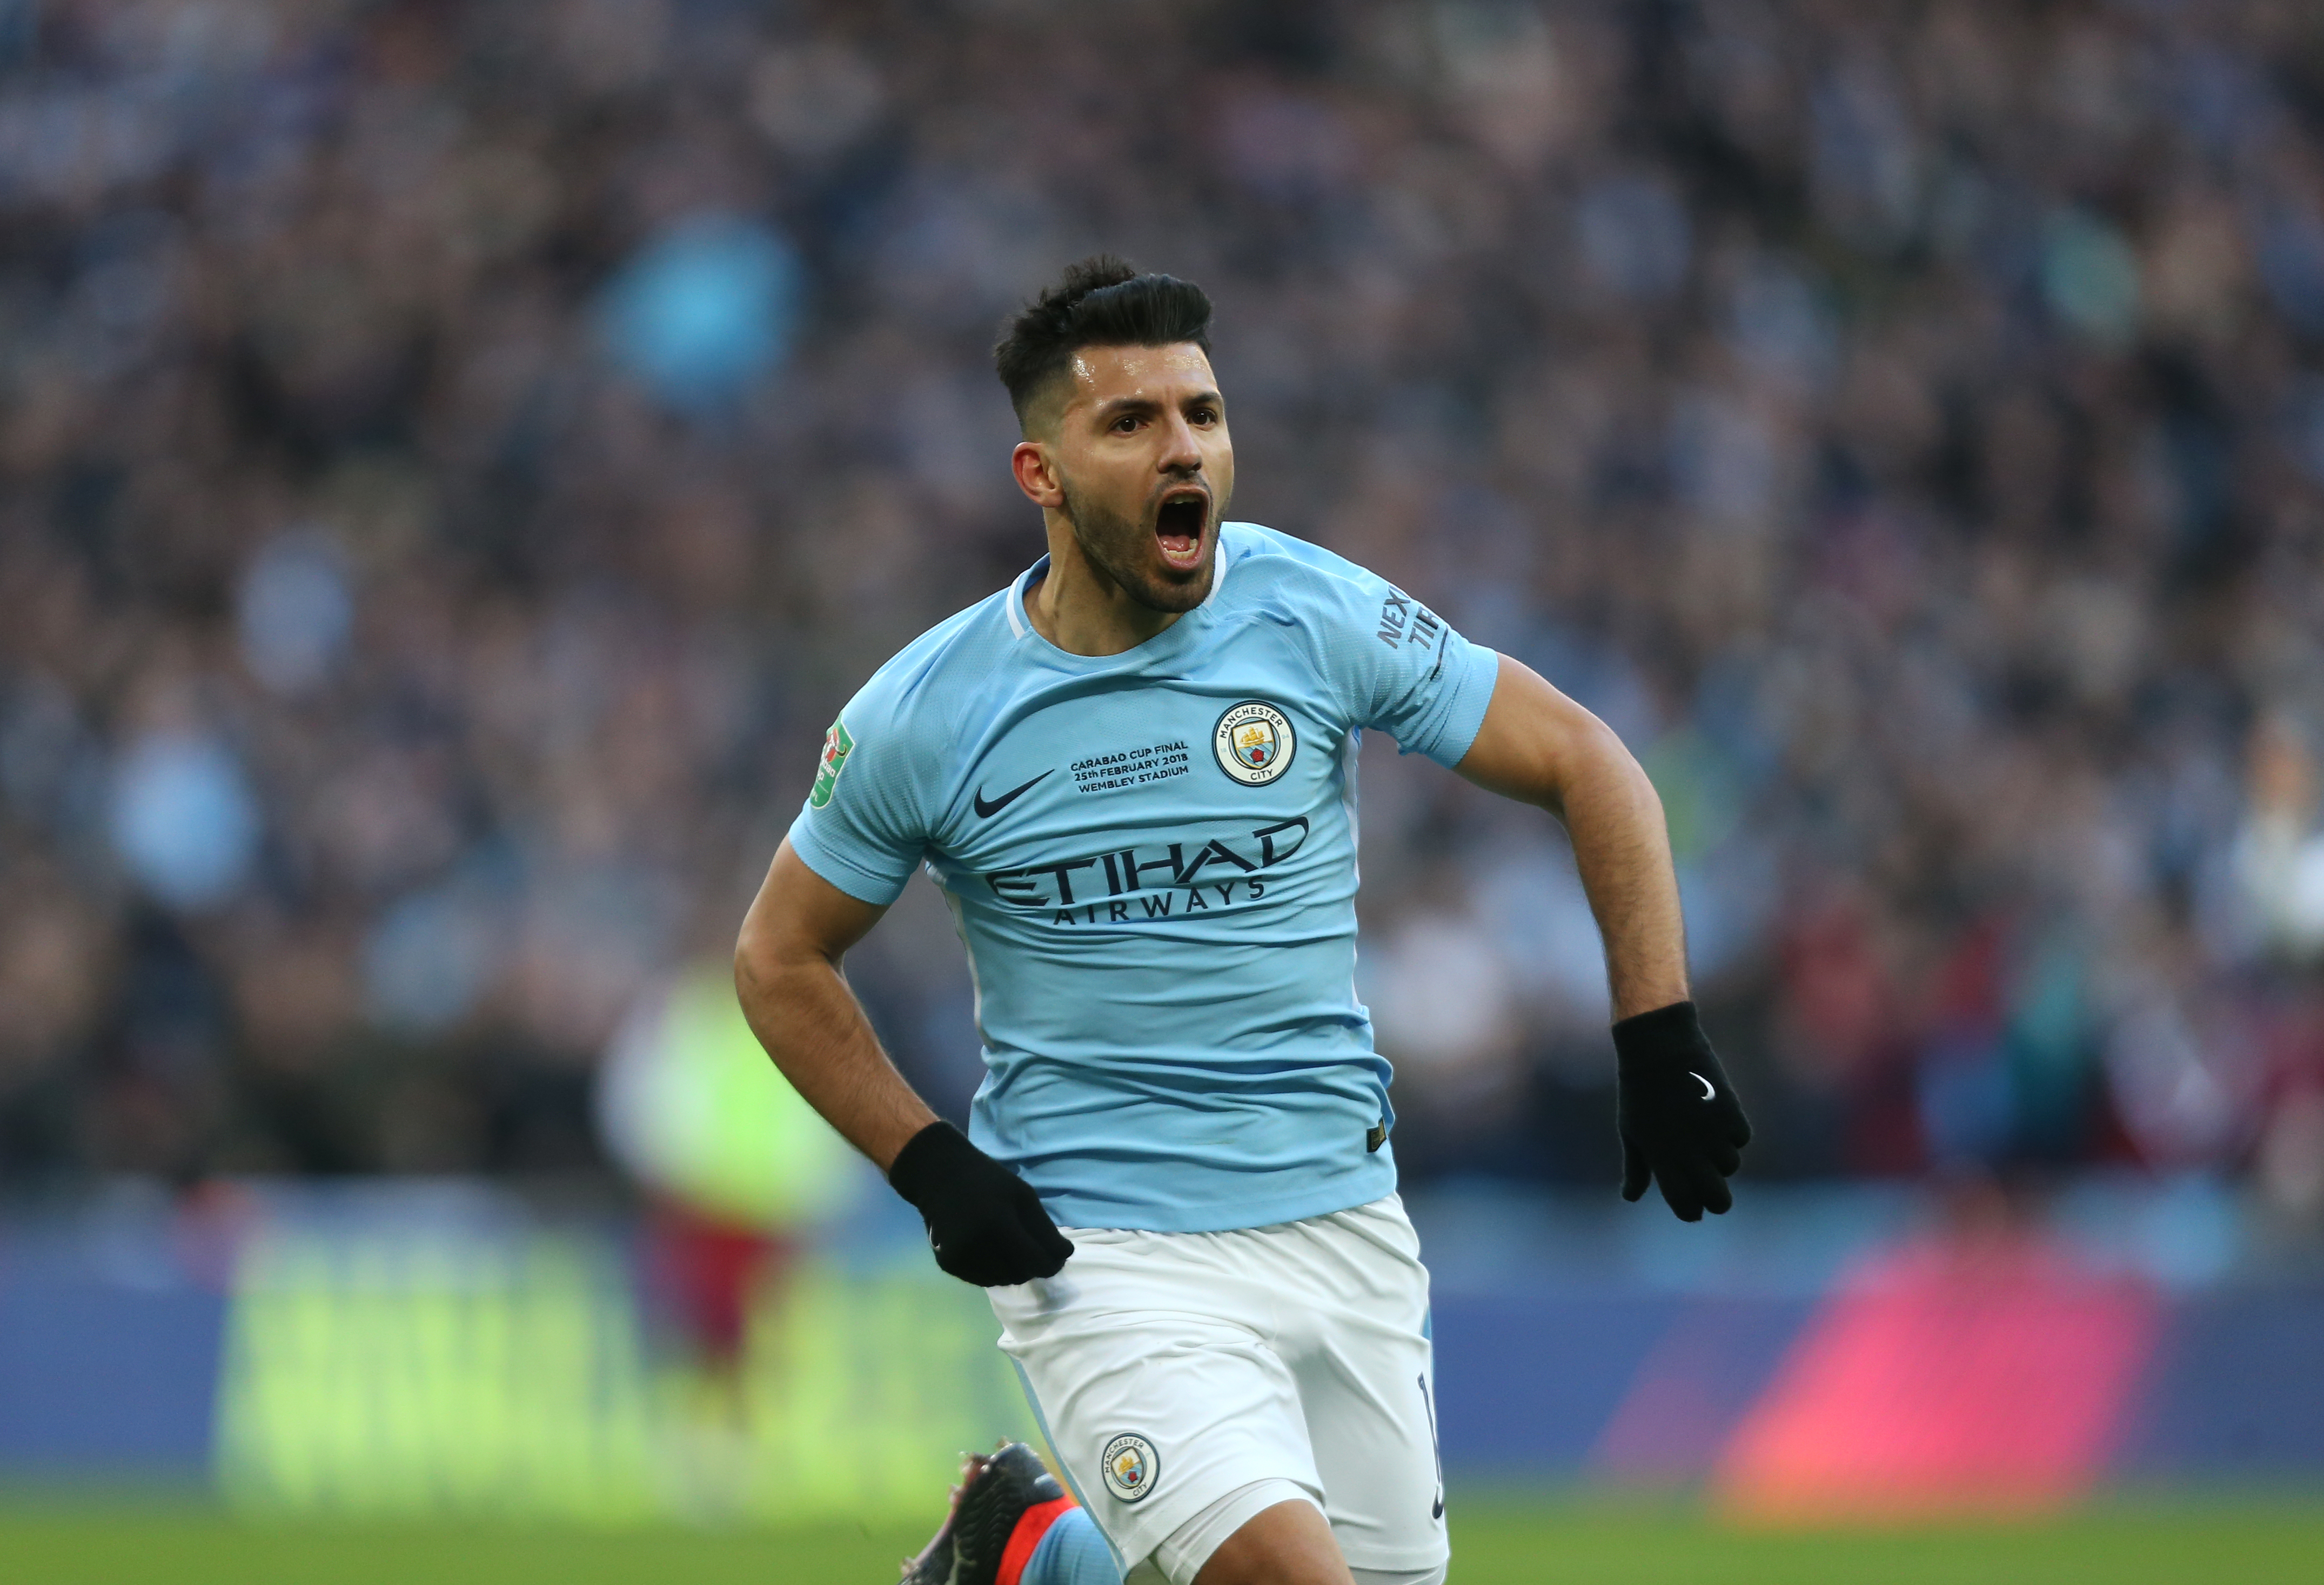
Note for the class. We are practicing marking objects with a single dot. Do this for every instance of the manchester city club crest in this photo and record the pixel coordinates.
(1131, 1466)
(1254, 743)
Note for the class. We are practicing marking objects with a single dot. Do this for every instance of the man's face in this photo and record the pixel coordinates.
(1138, 451)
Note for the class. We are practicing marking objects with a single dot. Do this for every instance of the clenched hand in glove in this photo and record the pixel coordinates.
(1681, 1124)
(986, 1224)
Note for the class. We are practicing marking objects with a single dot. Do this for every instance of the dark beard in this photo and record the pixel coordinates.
(1118, 547)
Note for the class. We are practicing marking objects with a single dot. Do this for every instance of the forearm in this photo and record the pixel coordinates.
(986, 1224)
(810, 1023)
(1538, 746)
(1622, 846)
(1680, 1122)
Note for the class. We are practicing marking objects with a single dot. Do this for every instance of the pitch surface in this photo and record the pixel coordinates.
(1499, 1540)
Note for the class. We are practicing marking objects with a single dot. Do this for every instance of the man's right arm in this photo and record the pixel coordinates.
(786, 975)
(986, 1224)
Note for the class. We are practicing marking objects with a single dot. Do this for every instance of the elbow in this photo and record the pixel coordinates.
(1642, 785)
(742, 974)
(1596, 764)
(1648, 794)
(767, 959)
(751, 963)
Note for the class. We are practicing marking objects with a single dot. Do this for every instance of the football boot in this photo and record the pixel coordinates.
(1000, 1509)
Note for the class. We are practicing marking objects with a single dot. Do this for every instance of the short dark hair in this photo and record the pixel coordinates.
(1099, 301)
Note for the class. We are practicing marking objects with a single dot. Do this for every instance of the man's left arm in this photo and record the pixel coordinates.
(1680, 1120)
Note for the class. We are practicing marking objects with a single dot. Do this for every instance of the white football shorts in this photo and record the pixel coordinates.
(1172, 1370)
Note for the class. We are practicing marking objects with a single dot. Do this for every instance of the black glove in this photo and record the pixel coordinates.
(1680, 1121)
(984, 1223)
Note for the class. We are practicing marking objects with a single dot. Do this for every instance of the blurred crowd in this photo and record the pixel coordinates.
(455, 458)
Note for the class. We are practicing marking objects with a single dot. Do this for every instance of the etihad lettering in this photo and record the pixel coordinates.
(1207, 899)
(1064, 873)
(1268, 833)
(1133, 872)
(1218, 850)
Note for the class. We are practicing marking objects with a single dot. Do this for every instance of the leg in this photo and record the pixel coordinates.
(1287, 1544)
(1363, 1363)
(1073, 1552)
(1147, 1364)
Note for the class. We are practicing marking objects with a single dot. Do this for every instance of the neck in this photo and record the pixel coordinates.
(1080, 608)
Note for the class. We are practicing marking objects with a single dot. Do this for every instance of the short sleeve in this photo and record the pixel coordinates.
(862, 827)
(1399, 668)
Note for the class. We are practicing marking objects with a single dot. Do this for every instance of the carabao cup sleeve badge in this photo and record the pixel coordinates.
(1254, 743)
(1130, 1467)
(836, 746)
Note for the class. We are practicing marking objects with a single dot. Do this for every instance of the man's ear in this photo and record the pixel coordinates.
(1036, 475)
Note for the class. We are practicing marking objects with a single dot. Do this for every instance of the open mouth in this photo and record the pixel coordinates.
(1179, 524)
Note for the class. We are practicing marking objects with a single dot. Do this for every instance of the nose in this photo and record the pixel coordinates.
(1180, 454)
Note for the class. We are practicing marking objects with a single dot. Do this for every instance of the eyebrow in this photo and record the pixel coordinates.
(1137, 404)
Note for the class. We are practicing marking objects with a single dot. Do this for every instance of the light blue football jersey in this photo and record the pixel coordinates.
(1151, 858)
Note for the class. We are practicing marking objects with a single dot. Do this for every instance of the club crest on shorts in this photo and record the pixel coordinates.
(1254, 743)
(1130, 1466)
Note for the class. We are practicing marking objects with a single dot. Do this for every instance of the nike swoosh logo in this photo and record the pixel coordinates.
(985, 811)
(1710, 1091)
(1438, 1511)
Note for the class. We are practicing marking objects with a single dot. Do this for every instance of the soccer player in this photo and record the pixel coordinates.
(1133, 774)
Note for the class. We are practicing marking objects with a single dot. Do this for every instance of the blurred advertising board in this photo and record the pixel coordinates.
(454, 1350)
